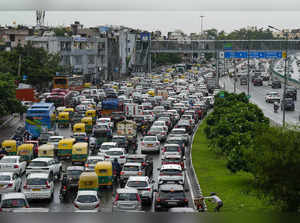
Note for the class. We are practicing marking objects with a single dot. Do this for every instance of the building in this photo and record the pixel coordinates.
(127, 47)
(11, 36)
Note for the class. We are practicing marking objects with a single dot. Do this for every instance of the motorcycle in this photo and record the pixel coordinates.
(276, 107)
(63, 193)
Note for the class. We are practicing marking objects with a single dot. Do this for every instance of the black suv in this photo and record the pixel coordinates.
(276, 84)
(291, 93)
(170, 195)
(288, 103)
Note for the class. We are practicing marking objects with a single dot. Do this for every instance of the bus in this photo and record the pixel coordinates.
(74, 82)
(38, 117)
(60, 97)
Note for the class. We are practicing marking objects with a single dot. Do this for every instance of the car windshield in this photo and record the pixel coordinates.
(74, 172)
(170, 172)
(13, 203)
(127, 197)
(4, 178)
(8, 160)
(38, 164)
(171, 194)
(86, 199)
(36, 181)
(137, 184)
(149, 139)
(114, 153)
(130, 168)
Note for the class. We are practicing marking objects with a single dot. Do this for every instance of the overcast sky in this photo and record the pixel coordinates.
(164, 15)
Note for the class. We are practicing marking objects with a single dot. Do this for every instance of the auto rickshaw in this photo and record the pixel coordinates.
(104, 172)
(10, 146)
(64, 149)
(93, 114)
(63, 120)
(88, 181)
(26, 151)
(88, 121)
(71, 111)
(151, 93)
(46, 150)
(79, 152)
(87, 85)
(79, 127)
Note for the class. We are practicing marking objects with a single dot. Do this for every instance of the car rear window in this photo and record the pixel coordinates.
(134, 160)
(38, 164)
(127, 197)
(171, 194)
(13, 203)
(114, 153)
(171, 149)
(149, 139)
(137, 184)
(4, 178)
(36, 181)
(8, 160)
(94, 161)
(131, 168)
(86, 199)
(170, 172)
(172, 160)
(74, 172)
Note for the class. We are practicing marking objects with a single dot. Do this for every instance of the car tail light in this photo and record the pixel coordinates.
(164, 150)
(122, 157)
(143, 143)
(107, 157)
(9, 185)
(26, 206)
(117, 198)
(157, 199)
(16, 166)
(25, 186)
(185, 200)
(143, 164)
(149, 189)
(76, 205)
(138, 197)
(140, 173)
(47, 185)
(65, 187)
(86, 165)
(97, 205)
(179, 174)
(86, 138)
(0, 209)
(179, 150)
(122, 173)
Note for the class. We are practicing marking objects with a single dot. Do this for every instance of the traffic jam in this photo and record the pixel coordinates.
(116, 147)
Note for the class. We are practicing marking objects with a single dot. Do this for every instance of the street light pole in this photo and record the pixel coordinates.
(285, 73)
(201, 17)
(248, 70)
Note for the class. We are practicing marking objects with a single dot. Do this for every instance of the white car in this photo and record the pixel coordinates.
(53, 140)
(106, 120)
(39, 186)
(171, 149)
(92, 161)
(161, 124)
(87, 200)
(14, 164)
(10, 182)
(107, 145)
(12, 201)
(118, 153)
(45, 165)
(150, 144)
(171, 172)
(273, 96)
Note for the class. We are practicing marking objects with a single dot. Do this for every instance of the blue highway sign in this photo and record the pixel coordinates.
(257, 54)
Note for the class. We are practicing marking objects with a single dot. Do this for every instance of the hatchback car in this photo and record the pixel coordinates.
(173, 172)
(12, 201)
(143, 185)
(127, 200)
(150, 144)
(10, 182)
(73, 174)
(130, 169)
(39, 186)
(173, 159)
(118, 153)
(159, 131)
(14, 164)
(145, 160)
(107, 146)
(92, 161)
(87, 200)
(161, 124)
(171, 149)
(170, 195)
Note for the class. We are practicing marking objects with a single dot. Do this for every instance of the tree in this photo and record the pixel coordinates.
(166, 58)
(8, 102)
(274, 160)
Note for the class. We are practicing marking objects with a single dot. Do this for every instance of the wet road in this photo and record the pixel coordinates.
(106, 194)
(258, 97)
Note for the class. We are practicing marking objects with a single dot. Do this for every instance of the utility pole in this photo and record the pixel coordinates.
(248, 63)
(201, 17)
(234, 76)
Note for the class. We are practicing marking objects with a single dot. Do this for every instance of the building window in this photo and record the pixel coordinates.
(78, 60)
(91, 59)
(66, 60)
(128, 50)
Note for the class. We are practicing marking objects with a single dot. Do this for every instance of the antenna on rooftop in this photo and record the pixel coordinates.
(40, 17)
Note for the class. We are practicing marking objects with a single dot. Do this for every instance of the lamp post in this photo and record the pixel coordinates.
(285, 73)
(201, 17)
(248, 70)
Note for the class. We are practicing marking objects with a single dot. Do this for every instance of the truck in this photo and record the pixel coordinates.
(128, 128)
(26, 93)
(132, 110)
(110, 105)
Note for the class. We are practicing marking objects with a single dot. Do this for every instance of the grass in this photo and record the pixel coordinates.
(236, 190)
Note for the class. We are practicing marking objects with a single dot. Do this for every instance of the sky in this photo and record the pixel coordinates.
(151, 15)
(188, 21)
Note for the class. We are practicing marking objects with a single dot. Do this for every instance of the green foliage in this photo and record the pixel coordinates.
(8, 102)
(244, 34)
(232, 126)
(36, 63)
(274, 160)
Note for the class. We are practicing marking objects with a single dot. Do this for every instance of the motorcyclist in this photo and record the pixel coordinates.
(276, 106)
(64, 185)
(116, 167)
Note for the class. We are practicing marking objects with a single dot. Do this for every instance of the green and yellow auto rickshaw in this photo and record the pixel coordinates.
(63, 120)
(10, 146)
(88, 181)
(26, 151)
(46, 150)
(88, 121)
(104, 171)
(64, 149)
(79, 153)
(93, 114)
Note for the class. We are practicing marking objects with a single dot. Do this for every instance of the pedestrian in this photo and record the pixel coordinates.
(215, 199)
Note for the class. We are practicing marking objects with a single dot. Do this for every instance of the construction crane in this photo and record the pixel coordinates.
(40, 17)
